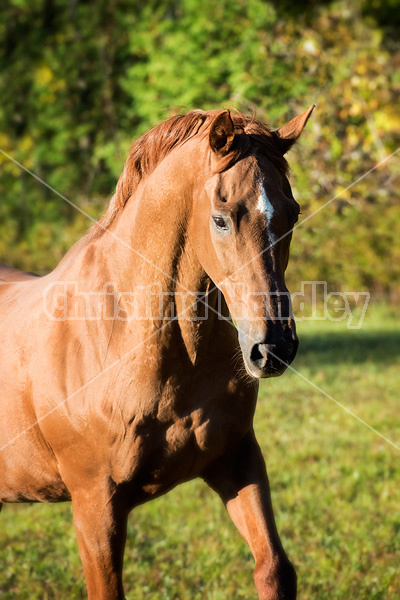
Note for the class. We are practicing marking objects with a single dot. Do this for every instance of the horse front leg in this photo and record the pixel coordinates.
(241, 481)
(100, 521)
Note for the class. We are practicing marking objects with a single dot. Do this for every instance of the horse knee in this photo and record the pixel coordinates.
(276, 580)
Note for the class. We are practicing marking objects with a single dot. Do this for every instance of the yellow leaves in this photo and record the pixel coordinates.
(5, 162)
(373, 104)
(43, 75)
(26, 143)
(48, 85)
(9, 166)
(356, 109)
(43, 78)
(388, 120)
(5, 142)
(361, 69)
(353, 137)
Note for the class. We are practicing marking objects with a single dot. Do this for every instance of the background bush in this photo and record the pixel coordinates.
(80, 80)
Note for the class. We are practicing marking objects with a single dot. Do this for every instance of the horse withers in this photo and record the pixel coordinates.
(109, 407)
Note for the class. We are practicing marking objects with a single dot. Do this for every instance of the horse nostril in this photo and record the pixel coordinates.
(257, 357)
(277, 356)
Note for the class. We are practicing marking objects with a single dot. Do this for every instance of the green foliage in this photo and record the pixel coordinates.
(334, 488)
(80, 81)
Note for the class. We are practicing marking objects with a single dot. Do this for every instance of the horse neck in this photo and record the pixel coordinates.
(150, 241)
(150, 247)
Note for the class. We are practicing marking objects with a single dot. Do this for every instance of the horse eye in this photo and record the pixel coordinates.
(220, 223)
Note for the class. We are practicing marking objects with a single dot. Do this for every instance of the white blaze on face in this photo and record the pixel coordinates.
(265, 207)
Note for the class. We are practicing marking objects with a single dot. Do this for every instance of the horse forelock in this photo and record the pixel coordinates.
(251, 136)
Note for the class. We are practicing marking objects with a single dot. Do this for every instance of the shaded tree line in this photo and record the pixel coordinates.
(80, 80)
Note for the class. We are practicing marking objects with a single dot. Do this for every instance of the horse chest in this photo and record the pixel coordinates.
(177, 441)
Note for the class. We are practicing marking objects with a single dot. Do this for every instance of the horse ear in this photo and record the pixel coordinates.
(286, 135)
(222, 133)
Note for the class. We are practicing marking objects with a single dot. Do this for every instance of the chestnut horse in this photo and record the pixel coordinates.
(110, 408)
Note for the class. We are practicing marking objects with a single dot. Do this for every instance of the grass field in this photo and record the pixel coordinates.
(335, 487)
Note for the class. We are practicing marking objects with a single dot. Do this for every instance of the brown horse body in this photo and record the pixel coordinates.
(108, 409)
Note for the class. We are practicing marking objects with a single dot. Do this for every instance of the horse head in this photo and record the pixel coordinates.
(248, 212)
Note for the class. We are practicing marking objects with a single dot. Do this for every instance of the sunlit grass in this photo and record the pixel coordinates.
(335, 488)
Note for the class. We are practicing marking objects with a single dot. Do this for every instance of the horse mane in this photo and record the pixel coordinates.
(150, 149)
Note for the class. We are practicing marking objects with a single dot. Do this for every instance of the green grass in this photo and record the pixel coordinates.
(335, 488)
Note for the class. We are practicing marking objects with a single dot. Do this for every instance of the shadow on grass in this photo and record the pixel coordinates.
(354, 347)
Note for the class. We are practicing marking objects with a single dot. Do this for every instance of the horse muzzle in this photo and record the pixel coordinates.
(270, 360)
